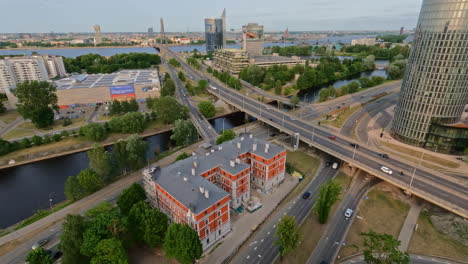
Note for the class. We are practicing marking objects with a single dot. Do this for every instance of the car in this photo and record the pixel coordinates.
(386, 170)
(348, 213)
(335, 166)
(40, 243)
(323, 262)
(332, 137)
(267, 108)
(292, 118)
(306, 195)
(383, 155)
(338, 107)
(354, 145)
(328, 163)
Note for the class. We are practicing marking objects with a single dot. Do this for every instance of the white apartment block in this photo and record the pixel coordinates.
(364, 41)
(7, 78)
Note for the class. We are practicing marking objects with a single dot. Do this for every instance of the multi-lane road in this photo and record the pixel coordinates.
(438, 188)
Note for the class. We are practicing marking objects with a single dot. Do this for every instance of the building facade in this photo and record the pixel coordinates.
(230, 60)
(363, 41)
(7, 77)
(435, 85)
(97, 35)
(214, 34)
(201, 189)
(252, 39)
(450, 139)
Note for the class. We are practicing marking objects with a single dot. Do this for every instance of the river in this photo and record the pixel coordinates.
(27, 188)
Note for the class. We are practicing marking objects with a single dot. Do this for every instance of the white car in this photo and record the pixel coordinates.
(348, 213)
(386, 170)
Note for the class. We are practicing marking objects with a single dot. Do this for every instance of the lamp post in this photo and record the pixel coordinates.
(415, 168)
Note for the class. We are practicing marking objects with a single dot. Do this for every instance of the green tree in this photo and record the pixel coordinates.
(130, 196)
(73, 189)
(226, 135)
(168, 110)
(168, 88)
(156, 224)
(25, 143)
(328, 195)
(365, 82)
(5, 147)
(136, 152)
(110, 251)
(100, 161)
(332, 91)
(253, 74)
(119, 156)
(95, 132)
(182, 243)
(37, 101)
(182, 156)
(202, 84)
(278, 87)
(39, 256)
(72, 239)
(174, 62)
(294, 101)
(134, 122)
(181, 76)
(2, 107)
(324, 94)
(102, 208)
(37, 140)
(382, 249)
(287, 233)
(115, 108)
(207, 109)
(89, 180)
(184, 133)
(353, 87)
(307, 80)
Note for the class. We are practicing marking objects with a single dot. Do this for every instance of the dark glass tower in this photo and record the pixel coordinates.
(435, 85)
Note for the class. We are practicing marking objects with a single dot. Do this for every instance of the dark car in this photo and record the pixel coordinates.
(354, 145)
(383, 155)
(328, 163)
(306, 195)
(323, 262)
(57, 254)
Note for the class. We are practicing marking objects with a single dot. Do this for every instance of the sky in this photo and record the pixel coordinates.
(34, 16)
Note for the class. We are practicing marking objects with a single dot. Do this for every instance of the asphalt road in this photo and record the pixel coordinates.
(260, 248)
(429, 185)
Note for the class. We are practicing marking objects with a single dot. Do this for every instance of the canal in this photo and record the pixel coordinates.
(27, 188)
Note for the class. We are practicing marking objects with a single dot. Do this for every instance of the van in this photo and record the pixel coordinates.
(335, 166)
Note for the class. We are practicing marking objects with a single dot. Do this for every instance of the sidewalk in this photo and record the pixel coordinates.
(409, 225)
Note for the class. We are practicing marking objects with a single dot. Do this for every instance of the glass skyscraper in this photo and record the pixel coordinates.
(435, 85)
(215, 33)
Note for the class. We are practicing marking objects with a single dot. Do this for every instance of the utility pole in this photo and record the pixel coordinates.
(415, 168)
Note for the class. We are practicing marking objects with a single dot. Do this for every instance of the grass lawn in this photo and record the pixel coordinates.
(426, 240)
(104, 117)
(58, 125)
(381, 213)
(9, 116)
(417, 154)
(341, 119)
(304, 164)
(17, 133)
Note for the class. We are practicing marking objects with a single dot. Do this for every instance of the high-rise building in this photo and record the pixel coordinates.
(252, 39)
(97, 34)
(215, 33)
(286, 34)
(402, 30)
(435, 85)
(150, 32)
(162, 35)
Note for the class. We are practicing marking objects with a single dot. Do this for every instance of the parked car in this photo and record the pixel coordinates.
(306, 195)
(335, 165)
(332, 137)
(292, 118)
(40, 243)
(354, 145)
(348, 213)
(383, 155)
(386, 170)
(57, 254)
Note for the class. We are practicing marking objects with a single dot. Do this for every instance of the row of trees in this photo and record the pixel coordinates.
(377, 51)
(198, 89)
(393, 38)
(194, 63)
(169, 86)
(364, 82)
(123, 107)
(226, 78)
(174, 62)
(257, 75)
(94, 63)
(207, 109)
(7, 146)
(290, 50)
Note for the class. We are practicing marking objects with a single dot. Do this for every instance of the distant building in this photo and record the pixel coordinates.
(286, 34)
(181, 40)
(97, 35)
(200, 190)
(150, 32)
(215, 33)
(230, 60)
(363, 41)
(402, 30)
(252, 39)
(54, 65)
(7, 77)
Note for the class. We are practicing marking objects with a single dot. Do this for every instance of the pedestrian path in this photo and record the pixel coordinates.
(409, 225)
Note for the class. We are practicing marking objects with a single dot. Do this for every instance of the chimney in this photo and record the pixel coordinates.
(232, 163)
(202, 190)
(193, 171)
(254, 147)
(238, 145)
(207, 194)
(237, 160)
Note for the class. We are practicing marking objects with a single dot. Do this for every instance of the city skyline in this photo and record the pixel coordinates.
(298, 15)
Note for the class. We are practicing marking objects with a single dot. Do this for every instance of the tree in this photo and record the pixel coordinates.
(184, 133)
(37, 101)
(72, 239)
(207, 109)
(328, 195)
(134, 122)
(89, 180)
(253, 74)
(324, 94)
(294, 101)
(202, 84)
(353, 87)
(278, 87)
(25, 143)
(182, 156)
(226, 135)
(115, 108)
(110, 251)
(147, 224)
(130, 196)
(168, 88)
(288, 234)
(73, 189)
(307, 80)
(36, 140)
(39, 256)
(174, 62)
(168, 110)
(366, 82)
(181, 76)
(182, 243)
(95, 132)
(2, 107)
(5, 147)
(119, 156)
(102, 208)
(136, 152)
(382, 249)
(100, 161)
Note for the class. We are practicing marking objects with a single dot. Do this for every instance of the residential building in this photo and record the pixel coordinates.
(363, 41)
(54, 65)
(28, 68)
(199, 190)
(215, 33)
(230, 60)
(252, 39)
(150, 32)
(7, 77)
(435, 85)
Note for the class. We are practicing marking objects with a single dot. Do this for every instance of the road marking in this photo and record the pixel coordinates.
(248, 257)
(253, 243)
(261, 241)
(255, 248)
(259, 256)
(268, 233)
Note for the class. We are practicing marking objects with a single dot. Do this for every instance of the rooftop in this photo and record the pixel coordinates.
(124, 77)
(272, 58)
(182, 179)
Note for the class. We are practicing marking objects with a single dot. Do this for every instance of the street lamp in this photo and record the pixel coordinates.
(415, 168)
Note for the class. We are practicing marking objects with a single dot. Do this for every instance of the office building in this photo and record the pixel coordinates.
(215, 33)
(363, 41)
(97, 35)
(402, 30)
(435, 85)
(150, 32)
(252, 39)
(201, 189)
(230, 60)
